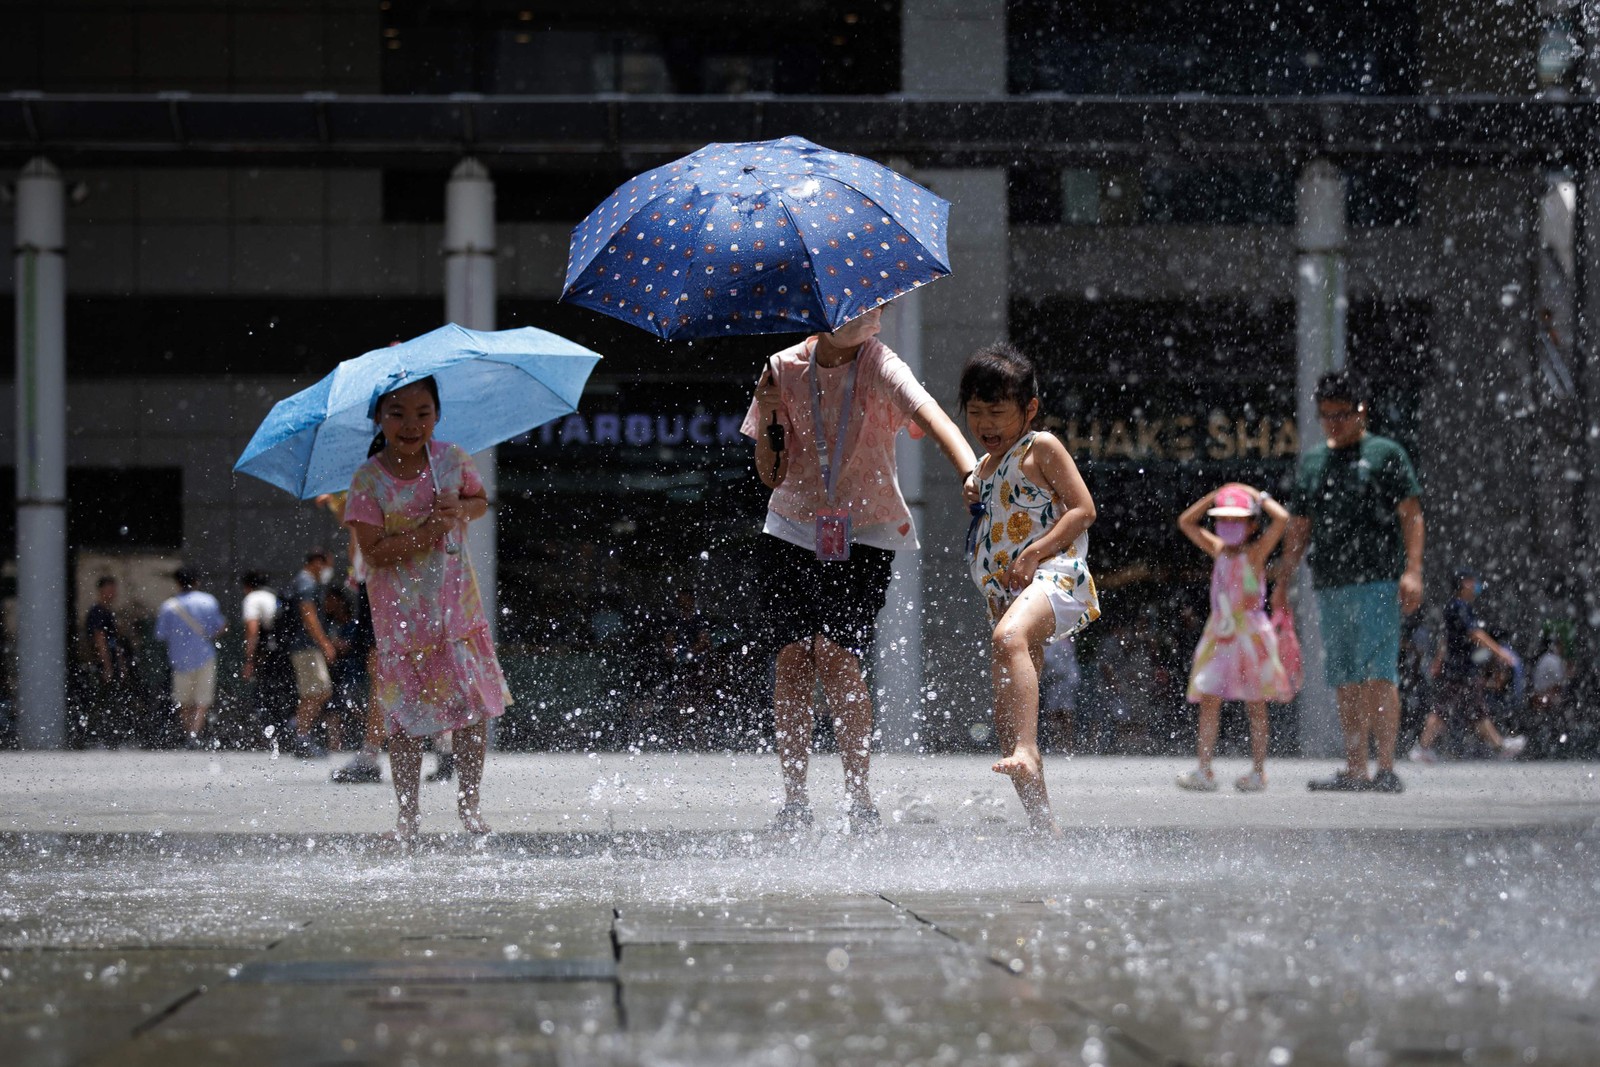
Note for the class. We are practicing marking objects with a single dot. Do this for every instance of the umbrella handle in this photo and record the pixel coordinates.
(452, 540)
(775, 433)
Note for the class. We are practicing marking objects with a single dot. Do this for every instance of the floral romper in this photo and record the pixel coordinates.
(1016, 513)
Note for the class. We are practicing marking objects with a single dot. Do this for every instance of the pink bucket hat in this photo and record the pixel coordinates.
(1235, 501)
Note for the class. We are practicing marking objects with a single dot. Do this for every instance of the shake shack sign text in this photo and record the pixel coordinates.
(1216, 437)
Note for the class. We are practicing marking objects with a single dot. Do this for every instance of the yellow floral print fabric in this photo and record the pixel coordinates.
(1020, 513)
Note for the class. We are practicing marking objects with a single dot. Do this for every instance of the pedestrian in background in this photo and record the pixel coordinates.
(1357, 519)
(436, 664)
(363, 768)
(110, 707)
(190, 624)
(310, 651)
(266, 669)
(1460, 696)
(1059, 678)
(349, 671)
(1237, 657)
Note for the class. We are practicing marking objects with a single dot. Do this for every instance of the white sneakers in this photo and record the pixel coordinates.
(1203, 781)
(1510, 748)
(1254, 782)
(1198, 781)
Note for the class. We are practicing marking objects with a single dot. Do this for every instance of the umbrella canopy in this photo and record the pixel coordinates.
(758, 237)
(492, 387)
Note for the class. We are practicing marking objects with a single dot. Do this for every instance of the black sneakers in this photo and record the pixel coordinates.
(1387, 782)
(446, 769)
(1340, 782)
(1345, 782)
(359, 772)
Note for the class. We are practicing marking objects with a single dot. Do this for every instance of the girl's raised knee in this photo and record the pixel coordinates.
(1008, 641)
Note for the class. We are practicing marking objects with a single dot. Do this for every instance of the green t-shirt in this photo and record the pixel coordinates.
(1350, 496)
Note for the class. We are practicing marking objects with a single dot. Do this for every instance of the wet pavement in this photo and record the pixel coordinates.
(188, 908)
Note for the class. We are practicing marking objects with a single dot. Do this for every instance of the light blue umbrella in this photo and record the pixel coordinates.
(492, 387)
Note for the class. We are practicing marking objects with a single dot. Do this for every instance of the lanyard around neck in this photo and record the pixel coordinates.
(831, 464)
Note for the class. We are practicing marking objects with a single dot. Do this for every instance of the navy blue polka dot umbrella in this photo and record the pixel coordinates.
(760, 237)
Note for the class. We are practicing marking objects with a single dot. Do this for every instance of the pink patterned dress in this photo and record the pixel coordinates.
(437, 668)
(1237, 658)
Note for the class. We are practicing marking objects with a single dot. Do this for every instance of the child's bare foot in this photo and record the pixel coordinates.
(473, 822)
(406, 835)
(1020, 766)
(1025, 768)
(1046, 827)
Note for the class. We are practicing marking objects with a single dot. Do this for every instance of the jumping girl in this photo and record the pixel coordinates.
(1027, 552)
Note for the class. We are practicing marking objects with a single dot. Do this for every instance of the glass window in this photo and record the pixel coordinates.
(1262, 47)
(1198, 195)
(632, 46)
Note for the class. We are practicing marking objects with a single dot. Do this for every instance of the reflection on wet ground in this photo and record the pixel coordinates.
(932, 942)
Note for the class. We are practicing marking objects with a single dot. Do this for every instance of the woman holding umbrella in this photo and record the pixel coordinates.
(835, 520)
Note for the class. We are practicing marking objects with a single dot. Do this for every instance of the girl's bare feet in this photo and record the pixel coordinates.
(1025, 768)
(1046, 828)
(406, 834)
(473, 822)
(1019, 766)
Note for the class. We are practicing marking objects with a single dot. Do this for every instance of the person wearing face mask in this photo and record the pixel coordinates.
(310, 650)
(1237, 658)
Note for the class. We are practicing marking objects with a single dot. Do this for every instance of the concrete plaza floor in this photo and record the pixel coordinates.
(192, 908)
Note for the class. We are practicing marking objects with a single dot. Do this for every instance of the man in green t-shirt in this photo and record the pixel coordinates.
(1356, 507)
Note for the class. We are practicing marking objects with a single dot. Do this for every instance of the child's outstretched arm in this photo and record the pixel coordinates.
(1189, 523)
(1277, 522)
(1058, 472)
(939, 426)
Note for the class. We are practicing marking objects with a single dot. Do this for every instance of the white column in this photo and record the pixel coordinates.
(897, 659)
(1320, 306)
(41, 458)
(469, 300)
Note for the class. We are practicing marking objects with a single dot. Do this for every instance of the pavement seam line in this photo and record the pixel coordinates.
(185, 999)
(616, 954)
(145, 1026)
(1112, 1031)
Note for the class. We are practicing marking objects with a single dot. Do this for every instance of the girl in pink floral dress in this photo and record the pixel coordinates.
(436, 665)
(1237, 658)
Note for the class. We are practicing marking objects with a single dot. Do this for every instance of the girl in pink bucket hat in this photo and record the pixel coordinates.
(1237, 658)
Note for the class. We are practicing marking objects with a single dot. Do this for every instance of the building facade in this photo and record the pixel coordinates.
(1161, 280)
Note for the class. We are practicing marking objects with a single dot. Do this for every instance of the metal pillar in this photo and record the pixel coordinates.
(41, 458)
(897, 657)
(469, 300)
(1320, 306)
(1586, 252)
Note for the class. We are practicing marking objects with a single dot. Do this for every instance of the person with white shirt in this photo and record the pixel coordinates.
(190, 624)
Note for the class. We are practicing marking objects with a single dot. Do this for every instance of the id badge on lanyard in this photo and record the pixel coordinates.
(833, 534)
(833, 522)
